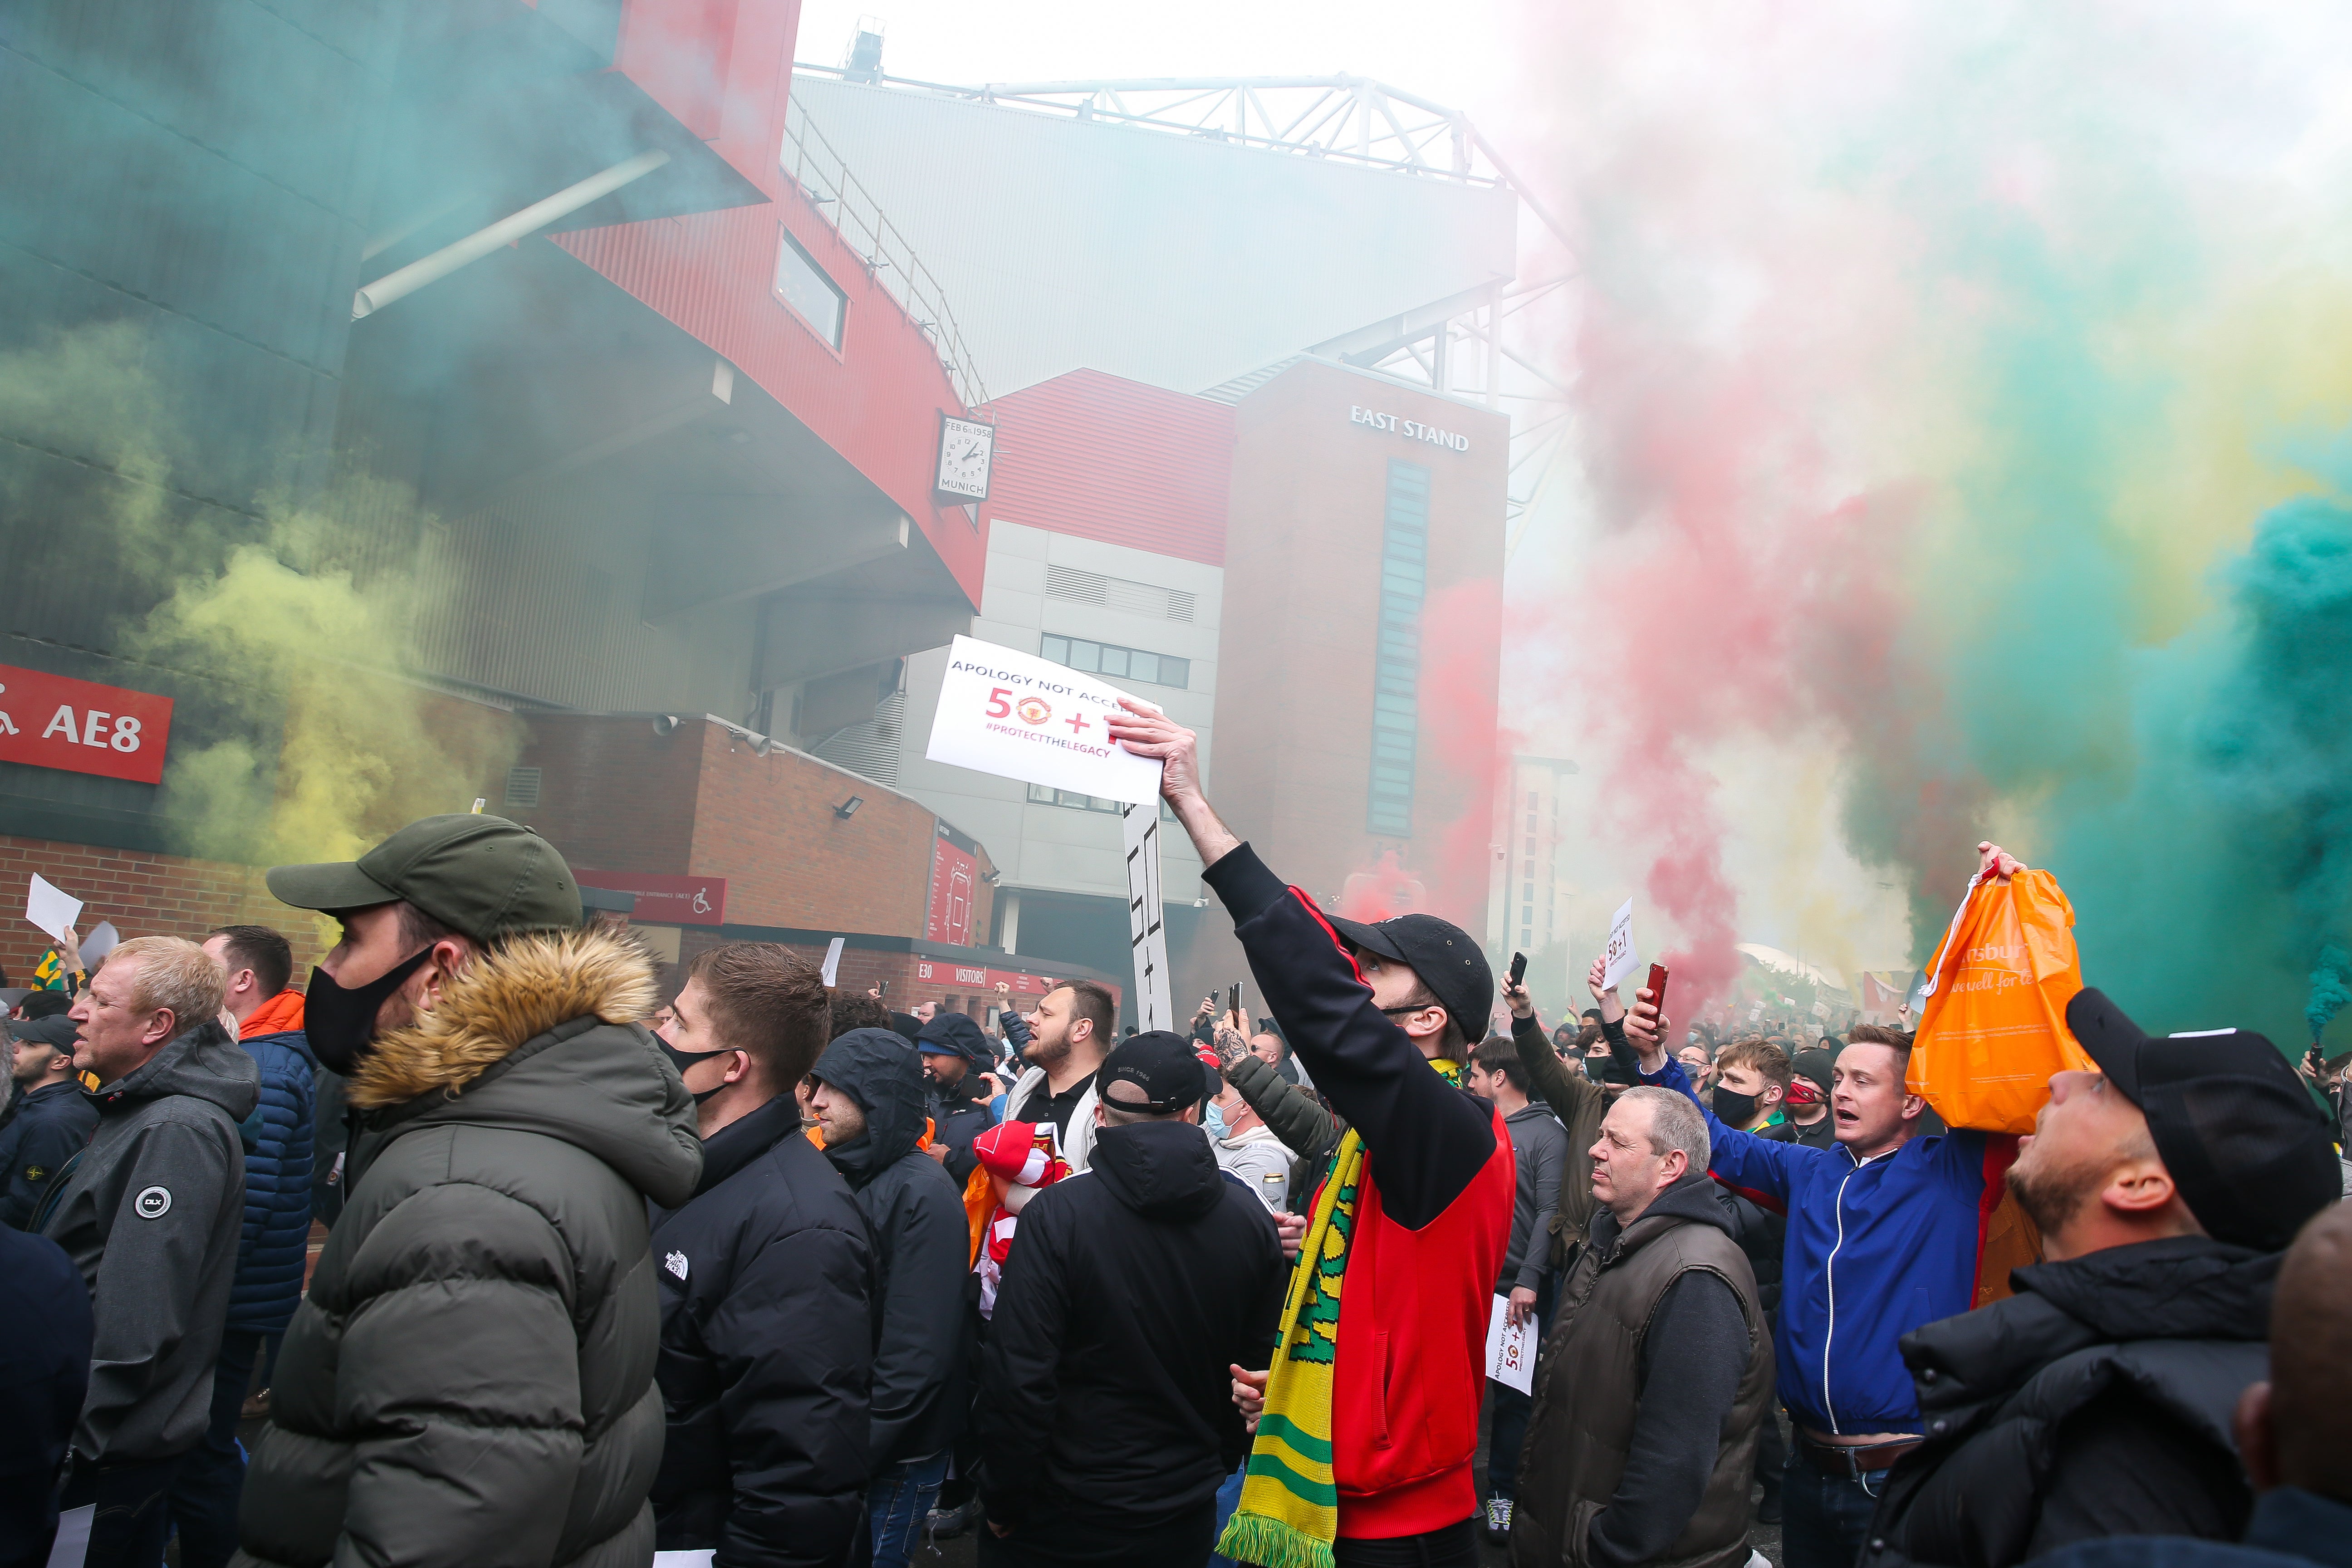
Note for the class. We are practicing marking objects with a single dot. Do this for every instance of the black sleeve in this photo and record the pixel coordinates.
(795, 1345)
(1428, 1139)
(1620, 1049)
(44, 1145)
(1019, 1366)
(2125, 1470)
(923, 1312)
(1264, 1327)
(1699, 1331)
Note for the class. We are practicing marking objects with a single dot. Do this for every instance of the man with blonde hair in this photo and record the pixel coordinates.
(151, 1211)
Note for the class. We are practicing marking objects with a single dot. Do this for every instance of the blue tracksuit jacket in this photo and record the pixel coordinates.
(1875, 1248)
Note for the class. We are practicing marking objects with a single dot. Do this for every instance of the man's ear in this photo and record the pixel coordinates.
(2139, 1187)
(1915, 1106)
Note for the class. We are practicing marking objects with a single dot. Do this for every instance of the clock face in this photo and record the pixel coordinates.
(965, 448)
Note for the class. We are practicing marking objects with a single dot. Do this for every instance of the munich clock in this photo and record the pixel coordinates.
(966, 447)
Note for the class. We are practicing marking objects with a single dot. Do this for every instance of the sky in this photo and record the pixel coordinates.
(1962, 435)
(1453, 55)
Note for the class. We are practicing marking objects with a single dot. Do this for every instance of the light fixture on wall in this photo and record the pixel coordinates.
(990, 878)
(664, 723)
(848, 808)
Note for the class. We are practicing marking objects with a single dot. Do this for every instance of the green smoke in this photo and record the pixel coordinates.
(2209, 887)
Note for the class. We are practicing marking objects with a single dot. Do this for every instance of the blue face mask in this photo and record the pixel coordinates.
(1215, 1120)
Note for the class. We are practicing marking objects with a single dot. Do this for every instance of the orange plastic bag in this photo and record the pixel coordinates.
(1993, 1029)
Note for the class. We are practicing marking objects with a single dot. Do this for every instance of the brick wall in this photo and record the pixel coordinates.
(616, 796)
(143, 895)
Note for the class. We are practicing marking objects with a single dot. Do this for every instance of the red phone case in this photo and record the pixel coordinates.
(1657, 986)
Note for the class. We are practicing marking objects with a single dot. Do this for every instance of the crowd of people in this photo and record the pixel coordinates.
(765, 1271)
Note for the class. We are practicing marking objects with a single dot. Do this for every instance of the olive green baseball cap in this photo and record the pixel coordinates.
(482, 876)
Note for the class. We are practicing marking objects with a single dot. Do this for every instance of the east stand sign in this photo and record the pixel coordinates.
(1022, 717)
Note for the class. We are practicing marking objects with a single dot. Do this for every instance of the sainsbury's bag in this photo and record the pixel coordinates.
(1993, 1028)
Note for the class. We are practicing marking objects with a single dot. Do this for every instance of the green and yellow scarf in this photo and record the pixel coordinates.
(1289, 1512)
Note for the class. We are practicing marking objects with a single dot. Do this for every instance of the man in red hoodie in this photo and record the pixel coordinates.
(1367, 1420)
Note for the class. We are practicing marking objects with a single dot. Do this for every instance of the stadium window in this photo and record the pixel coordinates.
(1119, 663)
(801, 284)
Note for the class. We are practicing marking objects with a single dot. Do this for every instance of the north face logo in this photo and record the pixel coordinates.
(676, 1264)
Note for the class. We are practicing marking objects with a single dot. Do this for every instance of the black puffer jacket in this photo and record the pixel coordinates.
(923, 1243)
(2096, 1401)
(1130, 1291)
(470, 1380)
(767, 1352)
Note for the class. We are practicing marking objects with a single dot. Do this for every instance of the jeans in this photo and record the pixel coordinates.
(1229, 1498)
(897, 1504)
(133, 1498)
(1508, 1410)
(1825, 1518)
(212, 1476)
(1052, 1541)
(1454, 1546)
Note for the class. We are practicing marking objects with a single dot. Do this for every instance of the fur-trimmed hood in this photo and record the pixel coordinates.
(542, 1035)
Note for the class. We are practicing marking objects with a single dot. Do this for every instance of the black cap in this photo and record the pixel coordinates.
(954, 1035)
(2246, 1144)
(1162, 1065)
(1444, 957)
(483, 876)
(1814, 1062)
(56, 1031)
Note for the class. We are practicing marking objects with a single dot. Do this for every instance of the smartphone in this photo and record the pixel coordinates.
(1518, 969)
(1657, 988)
(886, 988)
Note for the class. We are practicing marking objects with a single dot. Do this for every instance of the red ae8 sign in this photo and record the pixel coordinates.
(52, 721)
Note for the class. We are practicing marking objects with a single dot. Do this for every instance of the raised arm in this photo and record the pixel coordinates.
(1429, 1140)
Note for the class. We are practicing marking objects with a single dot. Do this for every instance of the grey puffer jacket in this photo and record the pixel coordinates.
(151, 1212)
(470, 1380)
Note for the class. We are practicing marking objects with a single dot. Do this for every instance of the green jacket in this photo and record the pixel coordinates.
(1580, 1103)
(470, 1383)
(1293, 1115)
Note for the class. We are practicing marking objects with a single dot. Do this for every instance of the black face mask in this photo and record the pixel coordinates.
(341, 1023)
(1732, 1107)
(682, 1060)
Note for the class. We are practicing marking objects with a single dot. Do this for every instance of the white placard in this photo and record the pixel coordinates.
(1022, 717)
(1623, 956)
(71, 1547)
(1155, 1008)
(701, 1558)
(833, 959)
(50, 907)
(1511, 1348)
(100, 942)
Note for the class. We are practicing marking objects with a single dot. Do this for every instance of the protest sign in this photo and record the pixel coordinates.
(1022, 717)
(1155, 1006)
(1623, 956)
(1511, 1348)
(833, 961)
(50, 907)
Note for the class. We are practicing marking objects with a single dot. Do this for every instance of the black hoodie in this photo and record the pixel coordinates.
(922, 1243)
(2095, 1401)
(1131, 1289)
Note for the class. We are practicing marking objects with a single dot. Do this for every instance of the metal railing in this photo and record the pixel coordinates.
(809, 161)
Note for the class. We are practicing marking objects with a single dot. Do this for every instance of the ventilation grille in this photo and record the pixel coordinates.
(871, 749)
(1117, 593)
(523, 786)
